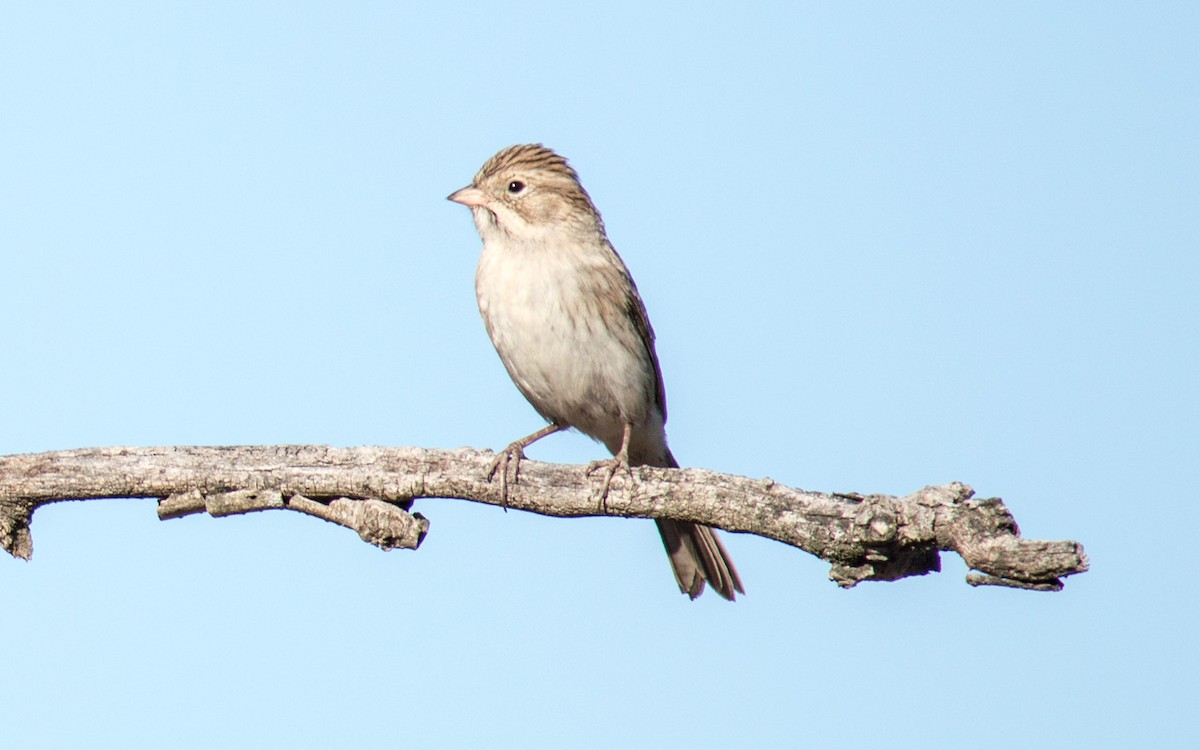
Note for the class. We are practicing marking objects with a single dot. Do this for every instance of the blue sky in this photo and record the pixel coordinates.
(883, 246)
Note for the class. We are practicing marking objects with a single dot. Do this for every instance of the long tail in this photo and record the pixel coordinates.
(697, 555)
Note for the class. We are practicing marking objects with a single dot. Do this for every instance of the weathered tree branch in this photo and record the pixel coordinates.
(370, 489)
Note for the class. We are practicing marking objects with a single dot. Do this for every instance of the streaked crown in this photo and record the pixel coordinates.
(528, 157)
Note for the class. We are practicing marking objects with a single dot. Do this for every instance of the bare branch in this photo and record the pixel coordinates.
(371, 489)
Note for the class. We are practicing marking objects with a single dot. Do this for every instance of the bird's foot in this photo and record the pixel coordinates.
(512, 455)
(610, 467)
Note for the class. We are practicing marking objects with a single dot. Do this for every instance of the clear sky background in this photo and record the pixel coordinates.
(883, 245)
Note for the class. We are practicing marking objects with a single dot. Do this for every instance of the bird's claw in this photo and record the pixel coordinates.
(610, 466)
(513, 454)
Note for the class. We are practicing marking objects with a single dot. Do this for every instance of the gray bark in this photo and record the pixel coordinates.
(372, 490)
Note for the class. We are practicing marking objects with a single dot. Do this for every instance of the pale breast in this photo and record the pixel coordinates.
(569, 347)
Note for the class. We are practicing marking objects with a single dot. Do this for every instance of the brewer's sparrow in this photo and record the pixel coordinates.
(571, 329)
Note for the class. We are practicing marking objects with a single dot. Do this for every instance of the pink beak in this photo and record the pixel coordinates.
(468, 196)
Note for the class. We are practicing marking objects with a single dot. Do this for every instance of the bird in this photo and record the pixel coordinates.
(565, 316)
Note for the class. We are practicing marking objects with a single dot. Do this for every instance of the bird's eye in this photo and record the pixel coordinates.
(516, 186)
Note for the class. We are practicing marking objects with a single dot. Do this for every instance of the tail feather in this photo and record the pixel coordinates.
(697, 555)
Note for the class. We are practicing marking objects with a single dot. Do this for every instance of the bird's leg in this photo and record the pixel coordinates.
(514, 453)
(613, 465)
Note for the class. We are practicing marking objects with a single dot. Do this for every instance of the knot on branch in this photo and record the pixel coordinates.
(15, 516)
(885, 550)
